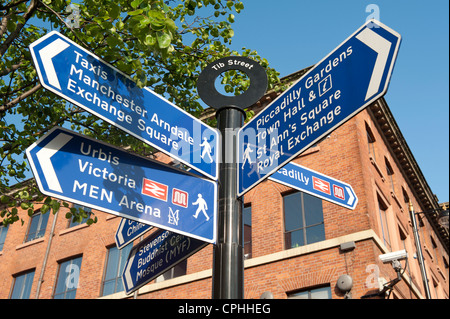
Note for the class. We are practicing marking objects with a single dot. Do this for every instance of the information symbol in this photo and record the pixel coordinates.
(325, 85)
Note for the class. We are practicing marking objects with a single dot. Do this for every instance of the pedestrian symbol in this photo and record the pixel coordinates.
(206, 149)
(202, 207)
(246, 156)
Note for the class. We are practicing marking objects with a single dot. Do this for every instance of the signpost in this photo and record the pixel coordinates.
(87, 172)
(128, 231)
(155, 255)
(81, 170)
(228, 266)
(316, 184)
(82, 78)
(347, 80)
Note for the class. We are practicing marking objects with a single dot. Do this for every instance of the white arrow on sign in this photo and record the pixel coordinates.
(127, 271)
(47, 54)
(119, 232)
(44, 156)
(382, 47)
(116, 99)
(350, 193)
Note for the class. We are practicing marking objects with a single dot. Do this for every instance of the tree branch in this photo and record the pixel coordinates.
(30, 11)
(68, 26)
(11, 104)
(4, 24)
(10, 5)
(9, 70)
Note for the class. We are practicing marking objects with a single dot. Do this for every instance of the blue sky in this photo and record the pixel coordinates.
(294, 34)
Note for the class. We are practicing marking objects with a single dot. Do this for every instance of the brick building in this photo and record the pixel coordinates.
(296, 245)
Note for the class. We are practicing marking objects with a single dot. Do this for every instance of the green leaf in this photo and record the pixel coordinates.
(44, 208)
(114, 12)
(136, 12)
(164, 39)
(170, 24)
(136, 3)
(150, 40)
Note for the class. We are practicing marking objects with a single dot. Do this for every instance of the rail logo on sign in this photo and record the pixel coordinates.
(75, 168)
(321, 185)
(346, 81)
(154, 189)
(316, 184)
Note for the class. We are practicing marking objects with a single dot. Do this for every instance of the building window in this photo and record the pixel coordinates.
(116, 261)
(68, 277)
(371, 142)
(247, 217)
(22, 285)
(390, 173)
(316, 293)
(435, 249)
(382, 210)
(3, 232)
(405, 196)
(303, 220)
(436, 288)
(445, 265)
(37, 227)
(177, 271)
(81, 209)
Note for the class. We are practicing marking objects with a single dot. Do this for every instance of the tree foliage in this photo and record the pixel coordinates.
(161, 44)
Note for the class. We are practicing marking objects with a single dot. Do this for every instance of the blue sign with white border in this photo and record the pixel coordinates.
(75, 74)
(316, 184)
(350, 78)
(155, 255)
(128, 230)
(72, 167)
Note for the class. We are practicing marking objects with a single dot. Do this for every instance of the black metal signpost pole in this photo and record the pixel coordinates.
(228, 264)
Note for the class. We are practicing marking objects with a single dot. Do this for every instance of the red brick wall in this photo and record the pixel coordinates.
(342, 155)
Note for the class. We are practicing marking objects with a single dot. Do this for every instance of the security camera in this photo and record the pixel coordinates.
(396, 255)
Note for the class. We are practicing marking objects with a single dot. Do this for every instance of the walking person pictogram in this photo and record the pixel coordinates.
(202, 206)
(206, 149)
(246, 156)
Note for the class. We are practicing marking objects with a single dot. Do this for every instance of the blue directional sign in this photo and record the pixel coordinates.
(87, 172)
(316, 184)
(128, 231)
(155, 255)
(82, 78)
(350, 78)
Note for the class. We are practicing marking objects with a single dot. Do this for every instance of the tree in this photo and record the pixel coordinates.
(160, 44)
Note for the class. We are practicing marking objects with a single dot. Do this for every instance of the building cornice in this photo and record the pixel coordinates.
(393, 137)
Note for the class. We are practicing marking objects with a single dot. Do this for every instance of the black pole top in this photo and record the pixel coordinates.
(209, 94)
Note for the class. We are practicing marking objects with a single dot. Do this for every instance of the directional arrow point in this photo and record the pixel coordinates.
(44, 156)
(382, 47)
(351, 196)
(119, 235)
(127, 272)
(47, 54)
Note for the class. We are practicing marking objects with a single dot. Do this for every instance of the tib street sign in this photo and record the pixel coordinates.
(347, 80)
(316, 184)
(155, 255)
(82, 78)
(87, 172)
